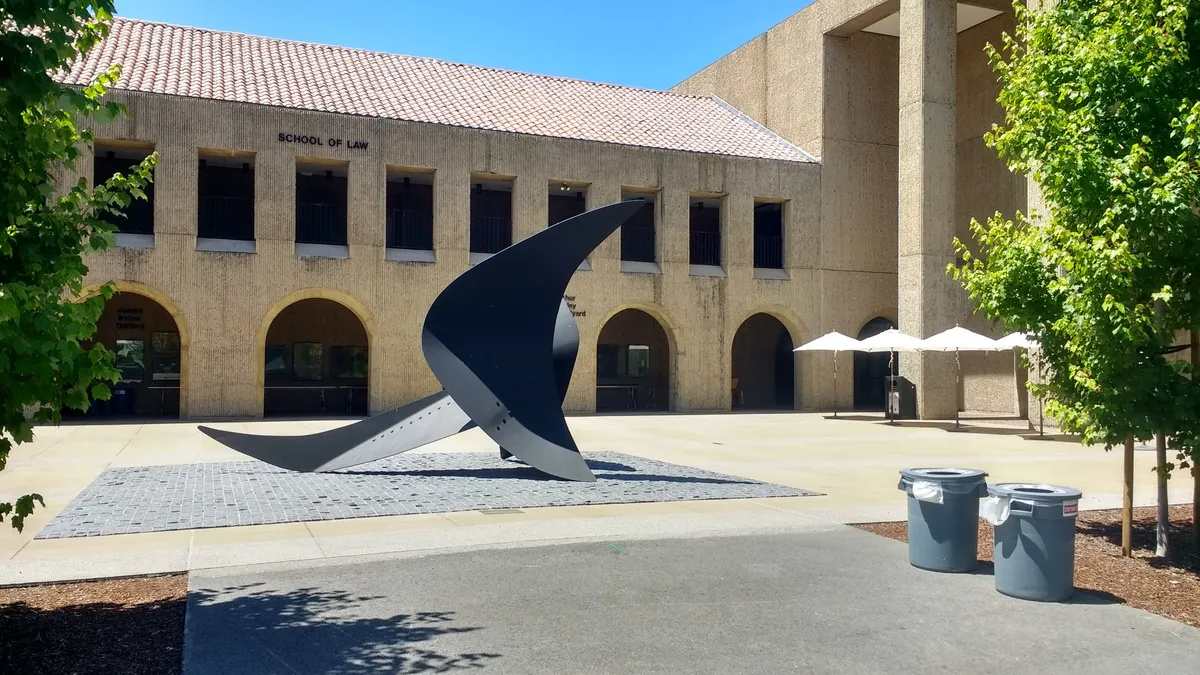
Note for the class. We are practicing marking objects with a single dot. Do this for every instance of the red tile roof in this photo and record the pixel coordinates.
(182, 61)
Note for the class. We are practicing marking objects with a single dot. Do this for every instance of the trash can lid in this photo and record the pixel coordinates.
(1038, 493)
(947, 475)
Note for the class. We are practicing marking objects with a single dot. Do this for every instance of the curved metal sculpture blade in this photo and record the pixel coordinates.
(408, 427)
(487, 334)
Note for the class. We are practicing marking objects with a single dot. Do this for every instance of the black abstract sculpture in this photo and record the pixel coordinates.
(502, 341)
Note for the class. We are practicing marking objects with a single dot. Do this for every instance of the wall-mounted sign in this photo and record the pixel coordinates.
(305, 139)
(130, 318)
(571, 305)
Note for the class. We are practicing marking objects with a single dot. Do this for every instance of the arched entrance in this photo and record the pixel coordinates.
(315, 361)
(633, 363)
(871, 369)
(150, 351)
(764, 366)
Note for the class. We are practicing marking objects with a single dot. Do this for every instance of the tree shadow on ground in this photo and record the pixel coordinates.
(1183, 555)
(254, 629)
(92, 638)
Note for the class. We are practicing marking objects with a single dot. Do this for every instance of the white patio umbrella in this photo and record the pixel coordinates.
(958, 339)
(1015, 341)
(891, 341)
(831, 342)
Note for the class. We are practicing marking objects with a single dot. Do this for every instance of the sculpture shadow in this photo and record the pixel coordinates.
(529, 473)
(252, 629)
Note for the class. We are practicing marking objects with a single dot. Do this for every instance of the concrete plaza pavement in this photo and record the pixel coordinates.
(822, 598)
(853, 462)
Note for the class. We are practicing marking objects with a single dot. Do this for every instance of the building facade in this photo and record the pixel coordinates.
(310, 202)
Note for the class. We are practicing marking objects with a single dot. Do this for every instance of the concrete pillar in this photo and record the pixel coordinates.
(929, 300)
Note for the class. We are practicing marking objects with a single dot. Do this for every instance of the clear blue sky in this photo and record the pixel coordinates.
(646, 43)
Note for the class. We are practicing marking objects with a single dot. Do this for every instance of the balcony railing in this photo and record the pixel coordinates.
(637, 243)
(410, 229)
(226, 218)
(706, 248)
(321, 223)
(768, 251)
(490, 234)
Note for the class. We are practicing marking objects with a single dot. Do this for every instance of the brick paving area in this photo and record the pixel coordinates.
(193, 496)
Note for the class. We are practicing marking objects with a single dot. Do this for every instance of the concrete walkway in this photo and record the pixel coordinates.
(817, 599)
(854, 462)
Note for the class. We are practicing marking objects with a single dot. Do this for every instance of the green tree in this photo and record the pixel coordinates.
(45, 228)
(1100, 101)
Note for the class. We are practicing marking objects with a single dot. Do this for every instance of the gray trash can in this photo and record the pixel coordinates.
(943, 517)
(1035, 539)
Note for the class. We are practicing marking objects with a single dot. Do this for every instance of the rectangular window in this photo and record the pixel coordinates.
(607, 360)
(565, 202)
(111, 159)
(637, 361)
(491, 214)
(131, 360)
(348, 363)
(226, 196)
(768, 235)
(321, 204)
(704, 227)
(638, 233)
(306, 360)
(276, 362)
(410, 209)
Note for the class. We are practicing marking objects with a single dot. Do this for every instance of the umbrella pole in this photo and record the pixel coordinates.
(835, 405)
(957, 387)
(887, 405)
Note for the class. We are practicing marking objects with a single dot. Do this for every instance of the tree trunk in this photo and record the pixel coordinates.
(1163, 525)
(1127, 501)
(1195, 468)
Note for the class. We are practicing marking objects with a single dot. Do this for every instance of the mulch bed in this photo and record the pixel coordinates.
(130, 626)
(1167, 586)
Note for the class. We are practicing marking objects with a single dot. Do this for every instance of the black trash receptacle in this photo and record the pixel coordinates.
(902, 398)
(943, 517)
(122, 402)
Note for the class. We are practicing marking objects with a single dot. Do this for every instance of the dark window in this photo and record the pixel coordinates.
(320, 208)
(348, 363)
(306, 361)
(409, 214)
(491, 219)
(705, 231)
(226, 207)
(637, 234)
(139, 215)
(276, 362)
(607, 360)
(565, 204)
(768, 236)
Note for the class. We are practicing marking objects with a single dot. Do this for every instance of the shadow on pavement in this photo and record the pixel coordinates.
(250, 629)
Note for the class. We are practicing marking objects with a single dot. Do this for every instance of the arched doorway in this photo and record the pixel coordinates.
(871, 369)
(764, 366)
(316, 361)
(633, 363)
(149, 353)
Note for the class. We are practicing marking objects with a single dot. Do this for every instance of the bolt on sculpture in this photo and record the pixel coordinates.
(502, 341)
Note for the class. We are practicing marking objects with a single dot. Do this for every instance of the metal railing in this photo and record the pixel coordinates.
(490, 234)
(410, 229)
(768, 251)
(705, 248)
(612, 397)
(321, 223)
(299, 400)
(637, 243)
(226, 218)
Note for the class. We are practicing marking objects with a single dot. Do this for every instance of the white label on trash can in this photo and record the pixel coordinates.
(927, 491)
(1070, 508)
(994, 509)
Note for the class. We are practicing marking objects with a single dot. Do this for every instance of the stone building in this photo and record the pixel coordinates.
(310, 202)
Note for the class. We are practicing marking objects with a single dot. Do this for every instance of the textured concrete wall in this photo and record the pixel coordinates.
(226, 301)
